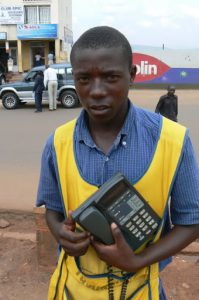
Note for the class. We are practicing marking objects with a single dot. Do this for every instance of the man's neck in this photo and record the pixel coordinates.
(105, 133)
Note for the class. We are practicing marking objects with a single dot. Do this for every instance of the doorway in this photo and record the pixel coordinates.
(3, 60)
(37, 50)
(13, 54)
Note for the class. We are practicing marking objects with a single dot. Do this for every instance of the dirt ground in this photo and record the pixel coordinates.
(22, 278)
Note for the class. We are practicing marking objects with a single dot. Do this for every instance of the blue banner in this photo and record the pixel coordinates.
(37, 31)
(181, 76)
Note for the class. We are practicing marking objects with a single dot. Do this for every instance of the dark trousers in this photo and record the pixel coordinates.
(38, 101)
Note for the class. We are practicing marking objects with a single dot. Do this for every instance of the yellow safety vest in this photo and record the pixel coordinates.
(88, 280)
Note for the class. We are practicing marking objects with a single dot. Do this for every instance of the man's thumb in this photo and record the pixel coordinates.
(117, 235)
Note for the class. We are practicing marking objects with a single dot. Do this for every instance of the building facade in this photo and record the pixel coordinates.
(29, 28)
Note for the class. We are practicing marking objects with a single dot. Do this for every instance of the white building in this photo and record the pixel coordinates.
(30, 27)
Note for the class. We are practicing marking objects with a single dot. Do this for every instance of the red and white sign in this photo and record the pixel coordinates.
(148, 67)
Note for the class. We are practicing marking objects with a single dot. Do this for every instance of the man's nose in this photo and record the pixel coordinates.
(97, 89)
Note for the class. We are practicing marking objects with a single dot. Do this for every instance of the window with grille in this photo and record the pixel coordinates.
(37, 14)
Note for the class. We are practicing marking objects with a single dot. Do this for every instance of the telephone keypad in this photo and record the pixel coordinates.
(139, 221)
(142, 224)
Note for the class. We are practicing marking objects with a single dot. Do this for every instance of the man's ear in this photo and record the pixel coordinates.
(133, 72)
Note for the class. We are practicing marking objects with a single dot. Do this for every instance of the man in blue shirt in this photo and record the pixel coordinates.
(112, 135)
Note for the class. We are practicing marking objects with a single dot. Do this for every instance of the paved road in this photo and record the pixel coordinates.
(23, 134)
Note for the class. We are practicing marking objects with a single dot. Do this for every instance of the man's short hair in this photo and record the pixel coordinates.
(103, 37)
(171, 88)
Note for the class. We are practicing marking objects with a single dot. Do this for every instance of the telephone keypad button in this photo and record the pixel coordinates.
(148, 232)
(138, 234)
(145, 228)
(139, 221)
(141, 237)
(155, 225)
(128, 224)
(142, 211)
(148, 219)
(151, 222)
(135, 231)
(145, 215)
(135, 218)
(142, 224)
(132, 227)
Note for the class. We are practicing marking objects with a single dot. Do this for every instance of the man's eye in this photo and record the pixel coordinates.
(112, 77)
(83, 79)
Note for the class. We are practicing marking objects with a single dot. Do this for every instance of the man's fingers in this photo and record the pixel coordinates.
(117, 235)
(76, 249)
(69, 219)
(69, 222)
(74, 237)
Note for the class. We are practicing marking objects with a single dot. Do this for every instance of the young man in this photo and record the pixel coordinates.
(168, 104)
(50, 82)
(112, 135)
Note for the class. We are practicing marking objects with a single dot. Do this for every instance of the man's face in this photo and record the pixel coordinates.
(102, 79)
(171, 91)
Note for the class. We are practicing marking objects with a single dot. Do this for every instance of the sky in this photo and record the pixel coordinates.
(174, 23)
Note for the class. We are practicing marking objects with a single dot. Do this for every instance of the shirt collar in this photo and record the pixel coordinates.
(83, 134)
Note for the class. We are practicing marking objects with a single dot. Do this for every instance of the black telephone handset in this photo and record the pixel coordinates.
(101, 230)
(118, 201)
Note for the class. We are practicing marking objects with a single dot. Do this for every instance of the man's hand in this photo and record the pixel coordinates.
(73, 243)
(119, 255)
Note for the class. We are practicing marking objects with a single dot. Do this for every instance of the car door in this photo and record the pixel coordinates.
(27, 86)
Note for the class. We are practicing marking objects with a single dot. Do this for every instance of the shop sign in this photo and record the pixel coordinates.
(148, 67)
(37, 31)
(11, 15)
(3, 36)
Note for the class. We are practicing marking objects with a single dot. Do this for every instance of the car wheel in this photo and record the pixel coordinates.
(69, 99)
(10, 100)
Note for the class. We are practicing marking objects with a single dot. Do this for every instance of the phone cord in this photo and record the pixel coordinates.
(111, 286)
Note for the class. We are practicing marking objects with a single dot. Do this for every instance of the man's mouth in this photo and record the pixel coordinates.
(99, 107)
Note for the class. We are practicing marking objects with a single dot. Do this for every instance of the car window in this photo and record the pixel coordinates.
(31, 76)
(61, 75)
(69, 73)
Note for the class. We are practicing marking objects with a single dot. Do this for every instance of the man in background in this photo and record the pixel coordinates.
(168, 104)
(38, 90)
(50, 58)
(50, 82)
(38, 58)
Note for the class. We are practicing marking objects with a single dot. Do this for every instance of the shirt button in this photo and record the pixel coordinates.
(124, 143)
(107, 158)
